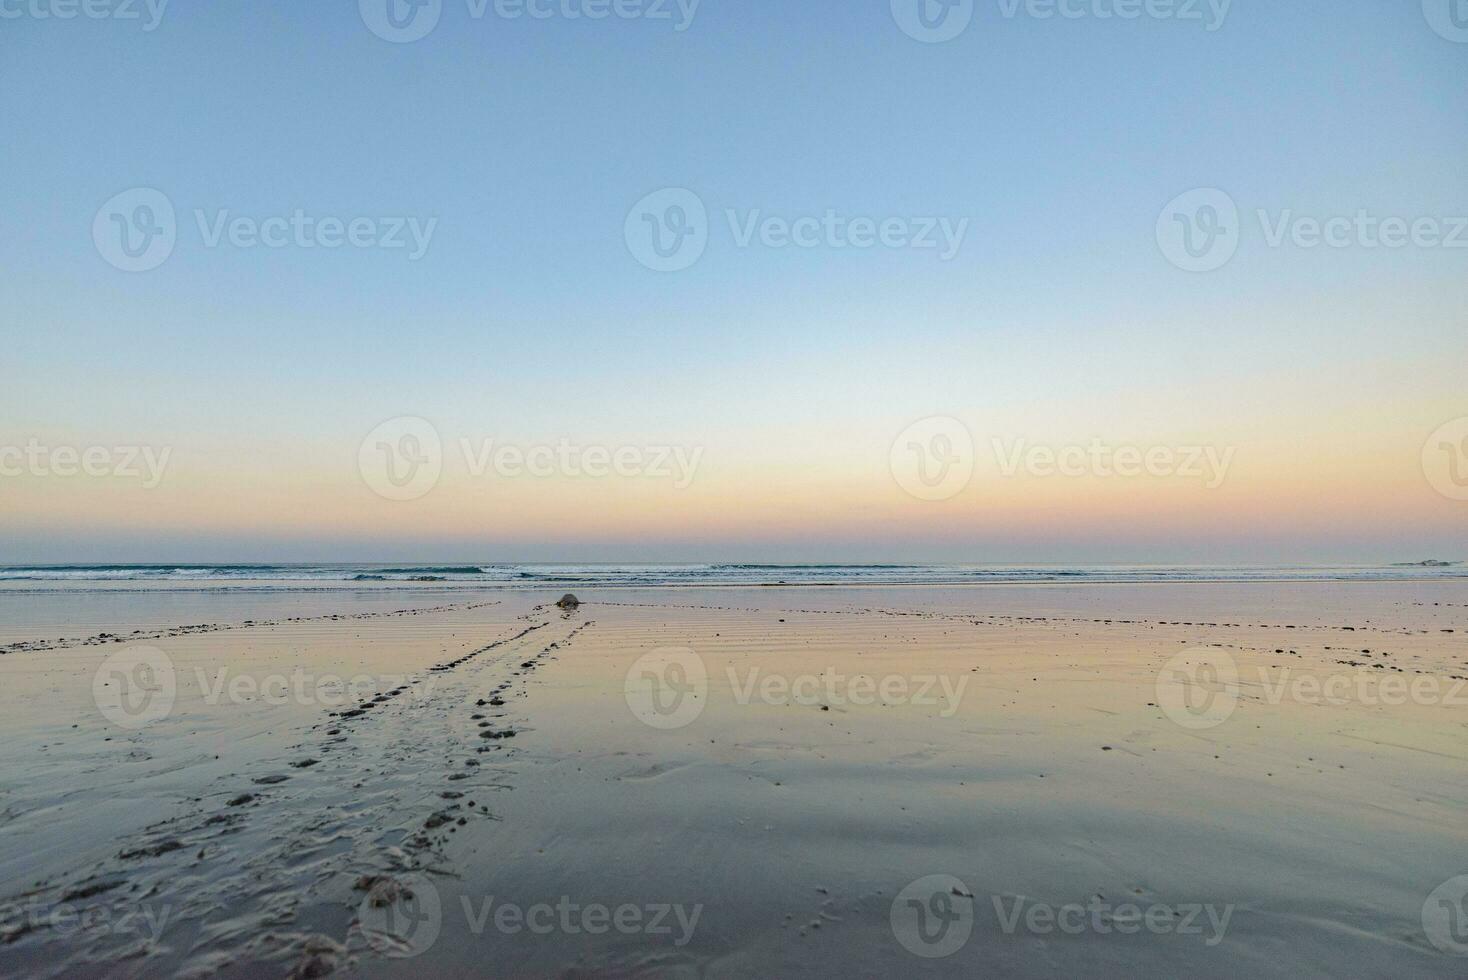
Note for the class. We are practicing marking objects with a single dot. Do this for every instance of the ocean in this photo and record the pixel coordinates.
(541, 575)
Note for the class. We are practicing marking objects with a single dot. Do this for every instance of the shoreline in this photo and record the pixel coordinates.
(18, 586)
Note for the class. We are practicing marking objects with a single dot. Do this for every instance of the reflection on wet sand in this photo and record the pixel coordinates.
(1210, 778)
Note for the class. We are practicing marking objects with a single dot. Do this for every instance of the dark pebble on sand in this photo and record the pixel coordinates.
(87, 891)
(153, 850)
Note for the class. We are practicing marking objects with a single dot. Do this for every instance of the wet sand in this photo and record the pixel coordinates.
(1016, 781)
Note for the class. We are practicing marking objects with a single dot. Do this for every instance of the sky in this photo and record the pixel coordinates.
(859, 278)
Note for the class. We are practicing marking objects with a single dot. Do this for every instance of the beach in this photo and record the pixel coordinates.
(663, 489)
(1024, 779)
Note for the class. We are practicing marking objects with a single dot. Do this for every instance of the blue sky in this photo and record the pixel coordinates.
(1059, 141)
